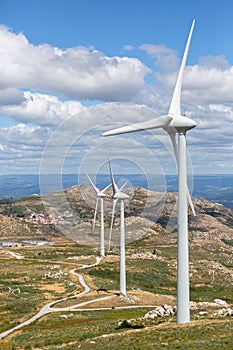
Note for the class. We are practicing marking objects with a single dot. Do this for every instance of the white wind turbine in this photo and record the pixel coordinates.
(100, 194)
(112, 219)
(174, 123)
(119, 195)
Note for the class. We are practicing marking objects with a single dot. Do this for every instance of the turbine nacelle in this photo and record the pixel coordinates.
(101, 194)
(120, 196)
(180, 124)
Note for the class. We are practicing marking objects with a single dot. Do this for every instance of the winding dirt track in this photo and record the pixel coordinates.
(48, 307)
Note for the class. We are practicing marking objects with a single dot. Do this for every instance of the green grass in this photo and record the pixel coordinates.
(156, 276)
(206, 337)
(88, 330)
(28, 275)
(209, 292)
(151, 276)
(229, 242)
(55, 252)
(53, 329)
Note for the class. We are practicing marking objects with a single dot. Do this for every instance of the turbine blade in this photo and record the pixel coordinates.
(123, 186)
(96, 207)
(105, 189)
(191, 202)
(174, 143)
(155, 123)
(114, 185)
(175, 103)
(92, 184)
(112, 221)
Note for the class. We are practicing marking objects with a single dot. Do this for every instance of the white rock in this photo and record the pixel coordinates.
(220, 302)
(202, 313)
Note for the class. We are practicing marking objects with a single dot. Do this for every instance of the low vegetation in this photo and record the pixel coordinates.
(41, 274)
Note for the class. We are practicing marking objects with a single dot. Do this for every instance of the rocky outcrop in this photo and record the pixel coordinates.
(217, 308)
(161, 311)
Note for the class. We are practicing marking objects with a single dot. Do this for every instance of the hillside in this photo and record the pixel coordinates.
(73, 211)
(36, 274)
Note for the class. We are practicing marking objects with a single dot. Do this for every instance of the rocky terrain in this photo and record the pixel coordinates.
(35, 275)
(148, 214)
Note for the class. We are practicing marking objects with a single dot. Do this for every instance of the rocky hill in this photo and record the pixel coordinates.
(146, 212)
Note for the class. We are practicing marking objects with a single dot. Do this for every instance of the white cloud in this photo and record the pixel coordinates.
(69, 142)
(11, 96)
(21, 147)
(42, 109)
(28, 73)
(166, 58)
(78, 72)
(208, 85)
(210, 81)
(128, 47)
(218, 62)
(22, 136)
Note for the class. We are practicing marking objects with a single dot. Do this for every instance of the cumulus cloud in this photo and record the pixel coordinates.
(165, 58)
(22, 136)
(21, 147)
(42, 109)
(71, 140)
(209, 81)
(218, 62)
(74, 140)
(11, 96)
(77, 72)
(208, 85)
(31, 76)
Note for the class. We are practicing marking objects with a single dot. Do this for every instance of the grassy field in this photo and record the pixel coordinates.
(43, 275)
(101, 330)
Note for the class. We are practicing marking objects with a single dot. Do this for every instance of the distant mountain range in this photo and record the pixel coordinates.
(216, 188)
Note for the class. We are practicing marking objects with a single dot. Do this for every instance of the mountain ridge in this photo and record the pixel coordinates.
(146, 209)
(217, 188)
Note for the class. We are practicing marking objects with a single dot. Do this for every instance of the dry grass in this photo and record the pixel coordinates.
(133, 299)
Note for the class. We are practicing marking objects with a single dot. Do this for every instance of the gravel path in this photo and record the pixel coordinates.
(48, 307)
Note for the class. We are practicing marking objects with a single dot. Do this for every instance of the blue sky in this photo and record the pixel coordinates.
(60, 57)
(109, 25)
(68, 23)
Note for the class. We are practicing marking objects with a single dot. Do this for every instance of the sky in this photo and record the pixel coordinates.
(70, 70)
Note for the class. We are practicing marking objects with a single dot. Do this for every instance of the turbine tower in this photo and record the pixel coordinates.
(119, 195)
(176, 124)
(99, 194)
(111, 225)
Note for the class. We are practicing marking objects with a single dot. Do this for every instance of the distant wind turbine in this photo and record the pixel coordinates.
(174, 123)
(113, 216)
(99, 194)
(119, 195)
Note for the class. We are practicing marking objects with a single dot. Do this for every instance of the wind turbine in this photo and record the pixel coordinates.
(119, 195)
(174, 123)
(100, 194)
(112, 219)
